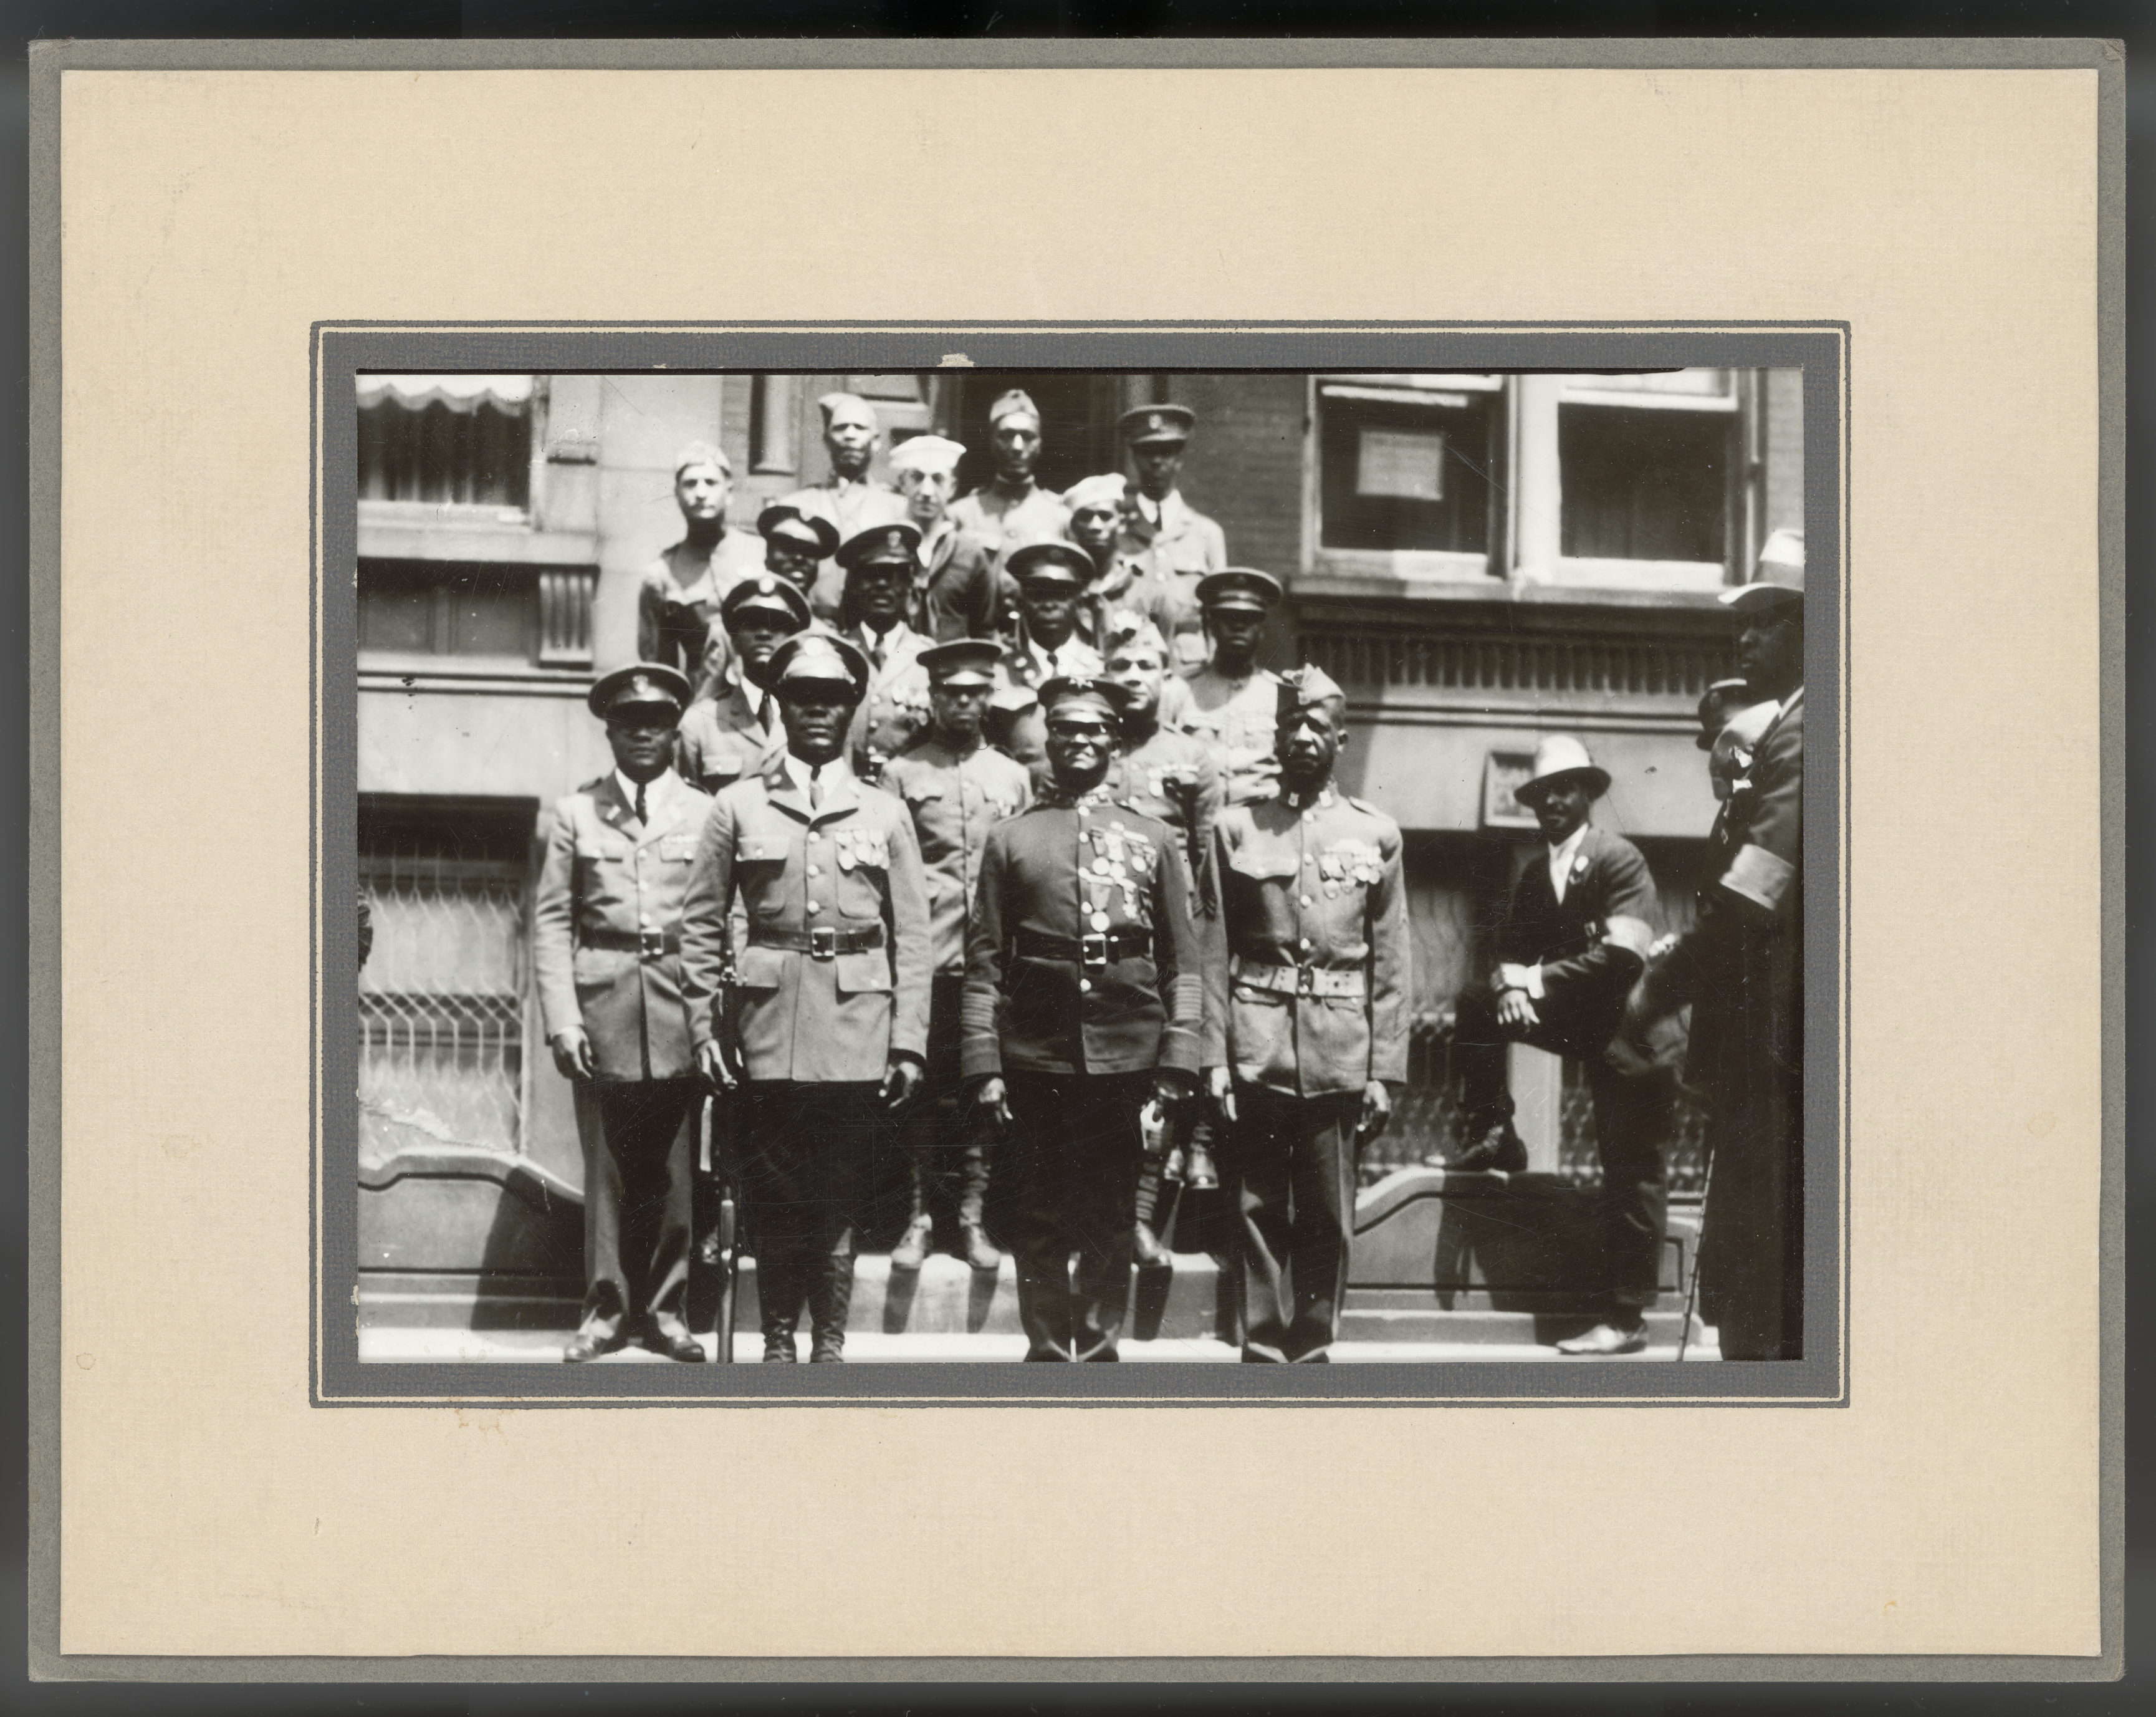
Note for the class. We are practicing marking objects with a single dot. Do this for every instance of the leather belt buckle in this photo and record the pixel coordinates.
(1093, 948)
(651, 944)
(1306, 980)
(824, 944)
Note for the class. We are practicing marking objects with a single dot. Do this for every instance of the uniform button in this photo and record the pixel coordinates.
(1084, 985)
(1305, 944)
(1308, 901)
(813, 871)
(816, 907)
(814, 839)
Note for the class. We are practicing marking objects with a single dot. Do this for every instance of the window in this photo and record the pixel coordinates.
(1647, 469)
(447, 441)
(442, 996)
(1404, 469)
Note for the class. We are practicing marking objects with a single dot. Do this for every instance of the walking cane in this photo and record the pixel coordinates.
(728, 1248)
(1691, 1286)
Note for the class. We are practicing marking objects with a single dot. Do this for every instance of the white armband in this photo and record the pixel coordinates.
(1761, 877)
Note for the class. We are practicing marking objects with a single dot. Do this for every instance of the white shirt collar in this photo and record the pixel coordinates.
(652, 789)
(798, 773)
(1560, 861)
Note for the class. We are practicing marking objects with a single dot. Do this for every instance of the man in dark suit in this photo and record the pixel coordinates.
(606, 942)
(1082, 1003)
(1573, 942)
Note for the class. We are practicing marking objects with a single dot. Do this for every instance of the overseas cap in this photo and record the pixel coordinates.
(1015, 403)
(1779, 578)
(643, 685)
(819, 656)
(927, 453)
(702, 453)
(963, 662)
(1129, 629)
(899, 544)
(1309, 688)
(1556, 757)
(1078, 689)
(1058, 563)
(762, 591)
(781, 519)
(1157, 422)
(1107, 492)
(1239, 587)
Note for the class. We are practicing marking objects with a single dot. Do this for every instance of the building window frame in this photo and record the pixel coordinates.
(482, 531)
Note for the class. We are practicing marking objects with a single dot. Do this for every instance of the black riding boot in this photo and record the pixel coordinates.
(830, 1296)
(778, 1299)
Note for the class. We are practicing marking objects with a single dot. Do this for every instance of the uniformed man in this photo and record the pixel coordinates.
(1082, 1003)
(1044, 644)
(1171, 776)
(606, 937)
(796, 544)
(1010, 508)
(850, 500)
(1122, 579)
(1305, 1022)
(1574, 940)
(957, 788)
(678, 594)
(1182, 541)
(958, 592)
(880, 565)
(734, 730)
(1234, 701)
(1741, 968)
(831, 1017)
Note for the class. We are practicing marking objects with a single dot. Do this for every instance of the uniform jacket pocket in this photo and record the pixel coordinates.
(761, 968)
(863, 974)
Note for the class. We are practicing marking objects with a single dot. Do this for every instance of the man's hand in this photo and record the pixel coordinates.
(1515, 1012)
(990, 1103)
(712, 1066)
(573, 1053)
(1220, 1087)
(1377, 1110)
(1171, 1091)
(899, 1080)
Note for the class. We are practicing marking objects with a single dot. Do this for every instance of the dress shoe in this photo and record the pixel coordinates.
(829, 1350)
(588, 1345)
(676, 1344)
(1147, 1252)
(980, 1255)
(1198, 1173)
(912, 1247)
(1497, 1148)
(1608, 1339)
(778, 1350)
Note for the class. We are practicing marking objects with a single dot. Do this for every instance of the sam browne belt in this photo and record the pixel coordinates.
(824, 944)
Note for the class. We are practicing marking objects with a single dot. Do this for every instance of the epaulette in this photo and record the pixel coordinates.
(1365, 806)
(594, 785)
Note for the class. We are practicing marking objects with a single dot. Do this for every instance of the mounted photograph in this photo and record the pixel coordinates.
(1249, 867)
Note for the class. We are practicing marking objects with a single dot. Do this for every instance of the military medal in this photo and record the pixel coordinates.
(1100, 921)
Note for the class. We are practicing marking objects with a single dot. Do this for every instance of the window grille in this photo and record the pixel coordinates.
(442, 999)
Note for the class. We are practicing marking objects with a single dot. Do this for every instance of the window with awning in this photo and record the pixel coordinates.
(446, 440)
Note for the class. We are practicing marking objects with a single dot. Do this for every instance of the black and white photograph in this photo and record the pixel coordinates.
(1251, 867)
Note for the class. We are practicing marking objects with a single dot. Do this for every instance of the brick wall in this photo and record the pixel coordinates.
(1245, 466)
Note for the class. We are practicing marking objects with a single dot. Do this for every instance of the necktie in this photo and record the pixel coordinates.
(763, 714)
(816, 787)
(640, 815)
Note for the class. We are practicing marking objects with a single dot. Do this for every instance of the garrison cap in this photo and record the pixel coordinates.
(1239, 587)
(1065, 562)
(643, 685)
(1309, 688)
(1107, 490)
(927, 453)
(899, 544)
(1079, 688)
(766, 593)
(1779, 578)
(963, 662)
(818, 656)
(1018, 403)
(1129, 629)
(1557, 757)
(779, 519)
(702, 453)
(1157, 422)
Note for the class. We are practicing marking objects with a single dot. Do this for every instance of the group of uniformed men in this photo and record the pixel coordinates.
(974, 822)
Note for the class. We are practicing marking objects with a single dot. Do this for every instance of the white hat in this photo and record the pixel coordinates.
(1106, 490)
(1561, 754)
(1778, 578)
(927, 453)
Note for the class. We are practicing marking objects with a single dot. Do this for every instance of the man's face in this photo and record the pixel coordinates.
(1158, 463)
(1093, 528)
(701, 492)
(816, 713)
(878, 592)
(1017, 446)
(1078, 743)
(1560, 806)
(850, 439)
(1137, 672)
(790, 559)
(1770, 645)
(757, 632)
(643, 742)
(1236, 631)
(960, 709)
(1307, 742)
(1048, 608)
(926, 493)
